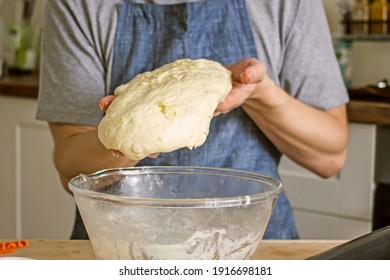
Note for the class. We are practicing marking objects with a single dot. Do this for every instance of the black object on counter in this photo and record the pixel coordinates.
(381, 211)
(372, 246)
(379, 93)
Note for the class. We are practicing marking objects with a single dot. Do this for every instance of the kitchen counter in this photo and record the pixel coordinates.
(358, 110)
(20, 85)
(82, 250)
(369, 112)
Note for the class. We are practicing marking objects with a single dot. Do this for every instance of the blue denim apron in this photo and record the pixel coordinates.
(150, 35)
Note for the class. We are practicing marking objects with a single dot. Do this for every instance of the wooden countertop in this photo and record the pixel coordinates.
(358, 111)
(20, 85)
(82, 250)
(369, 112)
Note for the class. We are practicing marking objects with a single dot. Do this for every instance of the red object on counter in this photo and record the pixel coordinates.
(12, 246)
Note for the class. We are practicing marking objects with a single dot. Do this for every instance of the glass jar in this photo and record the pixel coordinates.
(379, 17)
(360, 17)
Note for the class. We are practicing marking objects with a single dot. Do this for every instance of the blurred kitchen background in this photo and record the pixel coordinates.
(20, 27)
(21, 22)
(356, 201)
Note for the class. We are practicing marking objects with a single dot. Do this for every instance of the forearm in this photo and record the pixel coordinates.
(311, 137)
(78, 150)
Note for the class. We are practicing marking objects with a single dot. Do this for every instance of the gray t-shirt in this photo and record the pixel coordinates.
(292, 40)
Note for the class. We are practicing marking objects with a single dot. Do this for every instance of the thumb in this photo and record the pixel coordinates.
(105, 102)
(248, 71)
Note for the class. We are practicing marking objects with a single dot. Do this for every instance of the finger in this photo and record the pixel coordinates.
(154, 155)
(105, 102)
(116, 153)
(228, 104)
(234, 99)
(247, 71)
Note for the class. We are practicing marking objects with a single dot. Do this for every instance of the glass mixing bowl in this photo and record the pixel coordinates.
(175, 212)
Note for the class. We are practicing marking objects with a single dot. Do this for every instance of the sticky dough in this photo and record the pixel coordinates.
(166, 109)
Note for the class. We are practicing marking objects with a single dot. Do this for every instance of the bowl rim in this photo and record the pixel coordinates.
(229, 201)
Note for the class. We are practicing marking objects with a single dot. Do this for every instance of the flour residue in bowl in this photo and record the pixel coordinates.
(202, 245)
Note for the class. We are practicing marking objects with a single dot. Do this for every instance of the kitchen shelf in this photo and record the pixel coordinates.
(350, 32)
(368, 38)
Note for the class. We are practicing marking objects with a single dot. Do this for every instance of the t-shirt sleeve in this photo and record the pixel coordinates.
(72, 77)
(310, 70)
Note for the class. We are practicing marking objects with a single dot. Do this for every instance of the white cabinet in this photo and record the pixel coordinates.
(33, 203)
(339, 207)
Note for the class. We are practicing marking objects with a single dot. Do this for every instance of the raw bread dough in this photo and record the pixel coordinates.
(166, 109)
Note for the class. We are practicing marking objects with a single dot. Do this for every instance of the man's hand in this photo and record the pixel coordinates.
(247, 74)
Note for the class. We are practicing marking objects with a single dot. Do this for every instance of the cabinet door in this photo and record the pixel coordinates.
(339, 207)
(33, 203)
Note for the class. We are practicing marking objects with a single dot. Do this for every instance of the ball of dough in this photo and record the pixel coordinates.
(166, 109)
